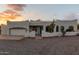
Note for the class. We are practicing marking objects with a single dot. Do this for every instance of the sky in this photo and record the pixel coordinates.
(48, 11)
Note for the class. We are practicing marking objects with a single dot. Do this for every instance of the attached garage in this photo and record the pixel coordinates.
(17, 31)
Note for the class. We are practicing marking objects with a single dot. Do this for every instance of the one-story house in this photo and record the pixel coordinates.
(38, 28)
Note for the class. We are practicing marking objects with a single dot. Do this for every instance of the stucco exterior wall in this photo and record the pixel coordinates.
(67, 23)
(22, 24)
(25, 24)
(71, 33)
(47, 34)
(4, 30)
(32, 34)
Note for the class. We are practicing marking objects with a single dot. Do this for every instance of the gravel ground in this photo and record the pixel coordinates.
(45, 46)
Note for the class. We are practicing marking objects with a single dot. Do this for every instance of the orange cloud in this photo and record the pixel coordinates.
(9, 14)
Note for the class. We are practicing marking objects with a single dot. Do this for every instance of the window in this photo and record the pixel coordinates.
(70, 29)
(78, 26)
(62, 28)
(49, 29)
(57, 28)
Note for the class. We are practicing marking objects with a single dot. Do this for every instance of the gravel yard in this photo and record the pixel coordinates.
(45, 46)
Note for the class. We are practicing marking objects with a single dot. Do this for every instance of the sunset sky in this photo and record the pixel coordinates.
(42, 11)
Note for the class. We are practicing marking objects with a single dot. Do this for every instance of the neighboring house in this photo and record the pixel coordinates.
(38, 28)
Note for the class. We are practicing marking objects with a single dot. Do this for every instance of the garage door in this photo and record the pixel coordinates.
(21, 32)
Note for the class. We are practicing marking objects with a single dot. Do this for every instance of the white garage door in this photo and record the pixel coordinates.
(21, 32)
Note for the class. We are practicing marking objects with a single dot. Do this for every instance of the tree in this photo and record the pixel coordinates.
(50, 28)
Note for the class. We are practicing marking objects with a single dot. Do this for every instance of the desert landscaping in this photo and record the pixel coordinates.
(68, 45)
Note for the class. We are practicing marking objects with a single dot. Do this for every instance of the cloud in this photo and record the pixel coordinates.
(35, 15)
(71, 16)
(17, 7)
(11, 13)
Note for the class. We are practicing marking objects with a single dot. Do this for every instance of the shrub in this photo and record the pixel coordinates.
(63, 31)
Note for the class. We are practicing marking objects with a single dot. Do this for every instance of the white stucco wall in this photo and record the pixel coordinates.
(22, 24)
(71, 33)
(67, 23)
(32, 34)
(47, 34)
(25, 24)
